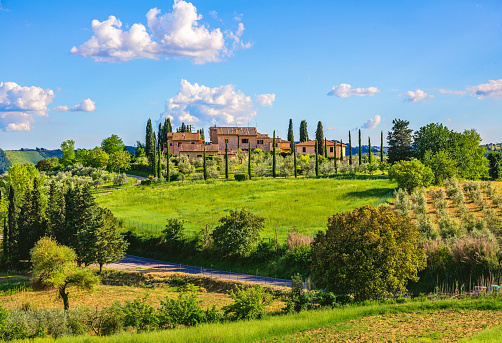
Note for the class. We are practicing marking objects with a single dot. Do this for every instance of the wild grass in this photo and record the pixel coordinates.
(304, 204)
(280, 326)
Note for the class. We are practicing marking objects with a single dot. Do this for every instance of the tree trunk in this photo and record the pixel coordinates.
(100, 268)
(64, 296)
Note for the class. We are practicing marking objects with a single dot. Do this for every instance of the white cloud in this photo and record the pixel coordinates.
(86, 105)
(174, 34)
(493, 89)
(416, 96)
(449, 91)
(199, 103)
(346, 91)
(266, 99)
(213, 14)
(448, 120)
(372, 123)
(330, 128)
(20, 105)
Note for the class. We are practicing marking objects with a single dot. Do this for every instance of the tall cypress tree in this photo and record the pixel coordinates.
(290, 131)
(56, 211)
(168, 175)
(319, 136)
(204, 163)
(226, 158)
(369, 150)
(336, 157)
(149, 138)
(341, 150)
(169, 126)
(294, 159)
(350, 149)
(273, 157)
(325, 148)
(159, 135)
(360, 149)
(304, 135)
(5, 243)
(249, 160)
(159, 161)
(202, 135)
(381, 146)
(12, 222)
(316, 159)
(154, 160)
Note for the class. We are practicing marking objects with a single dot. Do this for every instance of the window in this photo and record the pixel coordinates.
(260, 141)
(245, 140)
(330, 149)
(192, 142)
(170, 144)
(304, 149)
(199, 156)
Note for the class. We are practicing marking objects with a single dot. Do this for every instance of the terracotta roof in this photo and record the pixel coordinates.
(263, 135)
(198, 147)
(184, 136)
(241, 131)
(312, 143)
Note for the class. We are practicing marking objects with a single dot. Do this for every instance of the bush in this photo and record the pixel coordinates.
(173, 233)
(367, 253)
(495, 165)
(411, 174)
(248, 303)
(241, 177)
(140, 315)
(419, 202)
(402, 204)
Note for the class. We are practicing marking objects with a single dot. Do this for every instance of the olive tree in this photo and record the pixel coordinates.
(54, 266)
(367, 253)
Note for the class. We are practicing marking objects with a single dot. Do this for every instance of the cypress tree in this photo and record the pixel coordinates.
(294, 159)
(369, 150)
(350, 149)
(149, 138)
(341, 150)
(360, 149)
(319, 136)
(336, 158)
(159, 135)
(12, 222)
(202, 135)
(290, 131)
(325, 148)
(273, 156)
(381, 146)
(168, 176)
(110, 245)
(204, 163)
(86, 247)
(159, 161)
(154, 161)
(226, 158)
(249, 160)
(5, 242)
(169, 126)
(316, 159)
(304, 135)
(56, 211)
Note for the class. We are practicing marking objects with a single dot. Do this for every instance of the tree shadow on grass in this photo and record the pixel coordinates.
(369, 193)
(351, 177)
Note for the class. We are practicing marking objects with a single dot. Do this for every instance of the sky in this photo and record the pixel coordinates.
(85, 70)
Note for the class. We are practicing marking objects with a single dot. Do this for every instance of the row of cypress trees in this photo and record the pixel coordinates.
(70, 215)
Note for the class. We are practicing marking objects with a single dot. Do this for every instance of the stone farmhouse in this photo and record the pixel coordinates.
(309, 148)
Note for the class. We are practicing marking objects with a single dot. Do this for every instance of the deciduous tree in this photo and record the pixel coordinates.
(399, 140)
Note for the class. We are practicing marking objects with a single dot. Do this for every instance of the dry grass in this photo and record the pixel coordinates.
(438, 326)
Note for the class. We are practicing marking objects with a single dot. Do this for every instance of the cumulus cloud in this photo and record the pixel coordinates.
(198, 103)
(493, 89)
(85, 106)
(372, 123)
(346, 91)
(449, 91)
(266, 99)
(416, 96)
(20, 105)
(174, 34)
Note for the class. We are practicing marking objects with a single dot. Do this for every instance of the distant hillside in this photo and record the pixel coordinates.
(493, 147)
(4, 162)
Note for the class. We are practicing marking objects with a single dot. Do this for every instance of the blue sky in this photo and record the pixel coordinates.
(348, 64)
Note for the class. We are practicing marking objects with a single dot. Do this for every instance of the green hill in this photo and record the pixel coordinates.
(18, 157)
(4, 162)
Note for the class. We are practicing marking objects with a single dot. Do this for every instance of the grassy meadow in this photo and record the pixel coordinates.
(468, 320)
(303, 203)
(19, 157)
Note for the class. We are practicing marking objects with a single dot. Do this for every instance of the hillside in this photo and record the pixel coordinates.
(4, 162)
(11, 157)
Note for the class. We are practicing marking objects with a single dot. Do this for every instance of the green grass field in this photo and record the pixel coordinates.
(478, 322)
(303, 203)
(19, 157)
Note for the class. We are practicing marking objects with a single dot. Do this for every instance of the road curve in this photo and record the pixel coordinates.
(134, 262)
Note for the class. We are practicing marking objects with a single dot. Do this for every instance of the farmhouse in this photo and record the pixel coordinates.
(309, 148)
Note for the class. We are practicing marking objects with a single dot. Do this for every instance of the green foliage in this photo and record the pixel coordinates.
(319, 136)
(399, 140)
(49, 164)
(241, 177)
(237, 232)
(248, 303)
(140, 315)
(110, 245)
(367, 253)
(173, 233)
(185, 310)
(119, 160)
(112, 144)
(304, 135)
(21, 177)
(54, 265)
(411, 174)
(290, 131)
(68, 150)
(4, 162)
(495, 165)
(442, 164)
(402, 204)
(95, 158)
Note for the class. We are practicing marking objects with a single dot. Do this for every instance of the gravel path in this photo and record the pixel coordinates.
(133, 262)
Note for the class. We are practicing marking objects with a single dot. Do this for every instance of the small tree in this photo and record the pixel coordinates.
(249, 160)
(316, 160)
(237, 232)
(319, 136)
(360, 149)
(294, 158)
(274, 162)
(495, 159)
(367, 253)
(54, 265)
(226, 159)
(350, 149)
(168, 171)
(111, 246)
(411, 174)
(204, 163)
(381, 146)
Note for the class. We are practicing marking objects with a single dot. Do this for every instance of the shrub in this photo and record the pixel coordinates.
(449, 227)
(173, 233)
(495, 165)
(368, 253)
(237, 232)
(140, 315)
(212, 172)
(402, 204)
(427, 227)
(248, 303)
(419, 202)
(241, 177)
(411, 174)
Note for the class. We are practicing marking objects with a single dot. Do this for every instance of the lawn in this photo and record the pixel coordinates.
(304, 204)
